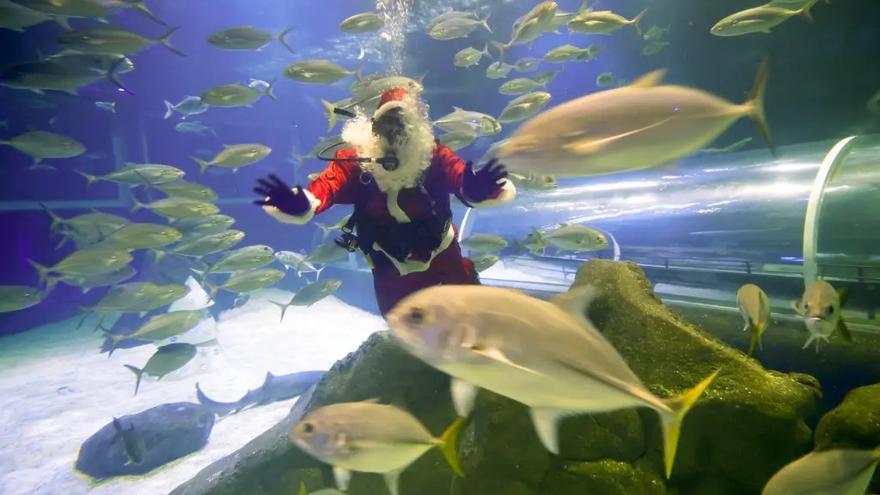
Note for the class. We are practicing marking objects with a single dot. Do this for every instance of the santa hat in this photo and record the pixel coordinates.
(393, 98)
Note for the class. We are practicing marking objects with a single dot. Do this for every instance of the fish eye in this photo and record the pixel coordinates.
(308, 428)
(830, 309)
(806, 305)
(416, 316)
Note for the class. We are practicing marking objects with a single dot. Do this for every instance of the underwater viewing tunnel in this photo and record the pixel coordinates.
(703, 227)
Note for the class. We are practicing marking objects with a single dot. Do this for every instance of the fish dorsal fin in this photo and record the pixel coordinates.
(650, 79)
(457, 109)
(373, 400)
(575, 301)
(269, 377)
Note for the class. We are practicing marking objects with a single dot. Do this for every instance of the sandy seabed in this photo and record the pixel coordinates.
(57, 389)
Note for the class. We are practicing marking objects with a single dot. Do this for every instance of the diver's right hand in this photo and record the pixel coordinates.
(278, 194)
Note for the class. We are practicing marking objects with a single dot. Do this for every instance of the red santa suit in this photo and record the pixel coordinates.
(406, 232)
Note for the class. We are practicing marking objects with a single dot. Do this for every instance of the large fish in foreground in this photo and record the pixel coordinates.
(634, 127)
(543, 354)
(830, 472)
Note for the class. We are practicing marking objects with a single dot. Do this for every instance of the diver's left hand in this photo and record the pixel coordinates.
(484, 183)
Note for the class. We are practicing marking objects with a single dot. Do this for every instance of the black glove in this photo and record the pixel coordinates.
(280, 195)
(482, 184)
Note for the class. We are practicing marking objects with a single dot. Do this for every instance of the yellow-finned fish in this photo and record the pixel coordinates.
(755, 309)
(639, 126)
(543, 354)
(372, 438)
(759, 19)
(832, 472)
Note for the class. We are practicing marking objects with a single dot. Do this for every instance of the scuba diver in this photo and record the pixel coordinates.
(402, 216)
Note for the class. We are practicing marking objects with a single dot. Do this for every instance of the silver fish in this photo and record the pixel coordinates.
(545, 355)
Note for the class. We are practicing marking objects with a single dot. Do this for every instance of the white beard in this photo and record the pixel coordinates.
(414, 150)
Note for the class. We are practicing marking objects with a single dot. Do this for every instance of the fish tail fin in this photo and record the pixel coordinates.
(318, 273)
(42, 271)
(805, 11)
(64, 22)
(485, 51)
(137, 204)
(112, 77)
(325, 230)
(212, 291)
(637, 20)
(449, 444)
(90, 178)
(671, 421)
(169, 110)
(485, 23)
(203, 165)
(583, 7)
(141, 7)
(201, 274)
(283, 35)
(755, 104)
(165, 40)
(754, 339)
(115, 338)
(283, 307)
(331, 114)
(139, 373)
(502, 49)
(270, 92)
(56, 220)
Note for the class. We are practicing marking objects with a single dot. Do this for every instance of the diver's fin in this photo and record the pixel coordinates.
(464, 395)
(671, 421)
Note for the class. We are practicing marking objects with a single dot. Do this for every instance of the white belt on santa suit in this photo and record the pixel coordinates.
(414, 266)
